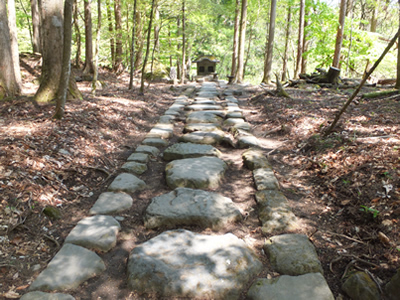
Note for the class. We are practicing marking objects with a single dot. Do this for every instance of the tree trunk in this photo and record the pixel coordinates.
(235, 38)
(35, 27)
(111, 32)
(8, 83)
(139, 40)
(183, 75)
(132, 54)
(147, 47)
(306, 42)
(66, 61)
(157, 30)
(270, 44)
(397, 86)
(89, 68)
(96, 55)
(287, 35)
(339, 34)
(374, 18)
(242, 39)
(77, 35)
(12, 25)
(118, 34)
(300, 39)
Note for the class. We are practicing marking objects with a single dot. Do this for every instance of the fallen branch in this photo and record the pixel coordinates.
(345, 236)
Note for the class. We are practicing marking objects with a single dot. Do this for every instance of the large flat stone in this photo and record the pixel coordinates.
(255, 159)
(201, 127)
(71, 266)
(151, 150)
(111, 203)
(185, 206)
(233, 121)
(202, 172)
(247, 141)
(181, 263)
(46, 296)
(265, 179)
(292, 254)
(204, 107)
(164, 131)
(189, 150)
(139, 157)
(203, 117)
(134, 167)
(126, 182)
(310, 286)
(96, 232)
(203, 137)
(156, 142)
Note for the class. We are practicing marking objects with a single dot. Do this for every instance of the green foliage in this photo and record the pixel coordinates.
(369, 210)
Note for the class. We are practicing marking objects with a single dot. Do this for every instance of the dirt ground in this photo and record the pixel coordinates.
(344, 188)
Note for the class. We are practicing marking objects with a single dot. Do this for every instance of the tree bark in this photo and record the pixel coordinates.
(132, 54)
(300, 39)
(139, 40)
(66, 61)
(96, 55)
(304, 58)
(118, 34)
(89, 68)
(270, 44)
(339, 34)
(183, 75)
(287, 35)
(12, 25)
(8, 83)
(35, 27)
(235, 38)
(77, 35)
(111, 32)
(397, 85)
(242, 39)
(147, 48)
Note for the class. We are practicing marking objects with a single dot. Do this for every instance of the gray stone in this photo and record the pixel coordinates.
(359, 286)
(393, 287)
(233, 121)
(185, 206)
(234, 114)
(292, 254)
(202, 100)
(203, 117)
(111, 203)
(247, 141)
(177, 106)
(204, 107)
(134, 167)
(139, 157)
(96, 232)
(148, 149)
(126, 182)
(172, 112)
(202, 172)
(46, 296)
(166, 119)
(231, 99)
(156, 142)
(255, 159)
(265, 179)
(275, 213)
(243, 126)
(310, 286)
(208, 94)
(164, 131)
(230, 104)
(203, 137)
(181, 263)
(71, 266)
(201, 127)
(189, 150)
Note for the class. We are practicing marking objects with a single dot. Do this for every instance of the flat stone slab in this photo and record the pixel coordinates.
(247, 141)
(166, 119)
(181, 263)
(203, 137)
(304, 287)
(292, 254)
(243, 126)
(189, 150)
(126, 182)
(164, 131)
(111, 203)
(97, 232)
(151, 150)
(139, 157)
(156, 142)
(231, 99)
(207, 94)
(202, 100)
(201, 127)
(233, 121)
(265, 179)
(255, 159)
(204, 107)
(172, 112)
(203, 117)
(71, 266)
(275, 213)
(46, 296)
(199, 173)
(185, 206)
(134, 167)
(234, 115)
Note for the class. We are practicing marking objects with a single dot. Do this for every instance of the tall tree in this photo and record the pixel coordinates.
(132, 54)
(339, 34)
(183, 69)
(8, 83)
(77, 35)
(306, 41)
(96, 55)
(287, 35)
(139, 39)
(300, 39)
(242, 38)
(111, 32)
(397, 85)
(235, 38)
(118, 36)
(89, 68)
(12, 25)
(35, 27)
(270, 44)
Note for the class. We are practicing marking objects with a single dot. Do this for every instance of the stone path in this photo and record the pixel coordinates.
(178, 262)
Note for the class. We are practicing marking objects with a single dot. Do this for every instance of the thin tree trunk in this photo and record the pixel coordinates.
(66, 61)
(339, 34)
(397, 86)
(96, 55)
(306, 42)
(118, 33)
(111, 32)
(235, 38)
(300, 39)
(287, 35)
(374, 18)
(35, 27)
(132, 54)
(139, 40)
(147, 47)
(248, 48)
(349, 10)
(183, 75)
(156, 30)
(89, 68)
(77, 35)
(242, 39)
(28, 21)
(270, 44)
(12, 25)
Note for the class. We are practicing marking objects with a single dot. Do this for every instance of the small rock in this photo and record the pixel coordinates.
(255, 159)
(139, 157)
(359, 286)
(134, 167)
(46, 296)
(52, 212)
(110, 203)
(393, 287)
(126, 182)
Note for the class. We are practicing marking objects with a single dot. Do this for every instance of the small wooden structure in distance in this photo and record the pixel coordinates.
(206, 65)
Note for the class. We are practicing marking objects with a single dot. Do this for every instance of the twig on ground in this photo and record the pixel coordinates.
(347, 268)
(52, 239)
(345, 236)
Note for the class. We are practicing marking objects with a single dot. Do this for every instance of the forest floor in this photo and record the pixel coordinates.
(345, 187)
